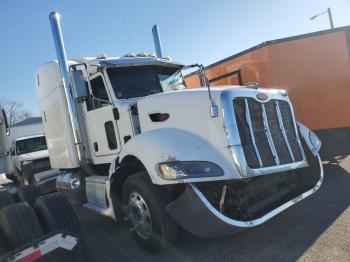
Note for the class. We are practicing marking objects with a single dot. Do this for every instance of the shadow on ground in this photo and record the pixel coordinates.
(284, 238)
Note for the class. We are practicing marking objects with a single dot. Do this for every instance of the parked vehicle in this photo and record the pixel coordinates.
(135, 144)
(33, 225)
(5, 157)
(38, 226)
(29, 152)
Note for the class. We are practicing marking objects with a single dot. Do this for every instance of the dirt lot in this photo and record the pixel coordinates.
(316, 229)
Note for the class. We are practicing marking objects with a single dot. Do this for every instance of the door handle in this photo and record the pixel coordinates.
(95, 146)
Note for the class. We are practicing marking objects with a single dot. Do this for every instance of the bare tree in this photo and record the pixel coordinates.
(14, 111)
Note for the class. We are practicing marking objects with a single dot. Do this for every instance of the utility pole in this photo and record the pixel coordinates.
(330, 17)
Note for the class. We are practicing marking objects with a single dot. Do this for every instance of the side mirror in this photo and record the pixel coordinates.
(12, 151)
(80, 90)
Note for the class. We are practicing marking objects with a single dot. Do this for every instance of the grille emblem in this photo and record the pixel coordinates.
(262, 96)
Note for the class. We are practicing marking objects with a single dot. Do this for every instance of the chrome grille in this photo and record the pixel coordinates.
(267, 132)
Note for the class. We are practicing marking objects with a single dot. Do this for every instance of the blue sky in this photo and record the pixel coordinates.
(192, 31)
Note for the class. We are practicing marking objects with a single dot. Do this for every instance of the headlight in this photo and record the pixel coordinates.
(188, 169)
(315, 141)
(26, 162)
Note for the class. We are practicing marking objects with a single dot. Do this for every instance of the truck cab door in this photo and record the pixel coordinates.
(102, 130)
(5, 156)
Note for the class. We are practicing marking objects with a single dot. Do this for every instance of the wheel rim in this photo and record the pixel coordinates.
(139, 216)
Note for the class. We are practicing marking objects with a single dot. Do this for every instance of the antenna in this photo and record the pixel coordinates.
(127, 33)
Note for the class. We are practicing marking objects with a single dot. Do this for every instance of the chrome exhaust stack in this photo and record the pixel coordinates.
(64, 71)
(156, 40)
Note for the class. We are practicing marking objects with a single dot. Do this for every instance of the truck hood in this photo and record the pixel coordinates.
(178, 101)
(181, 97)
(34, 155)
(190, 103)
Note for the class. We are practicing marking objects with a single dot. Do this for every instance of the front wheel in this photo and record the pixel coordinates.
(144, 205)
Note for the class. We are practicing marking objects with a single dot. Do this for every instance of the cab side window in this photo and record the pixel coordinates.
(99, 92)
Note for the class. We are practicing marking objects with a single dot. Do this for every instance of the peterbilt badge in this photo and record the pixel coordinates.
(262, 96)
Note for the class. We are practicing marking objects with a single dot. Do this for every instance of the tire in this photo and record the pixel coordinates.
(56, 213)
(19, 224)
(158, 228)
(29, 194)
(6, 199)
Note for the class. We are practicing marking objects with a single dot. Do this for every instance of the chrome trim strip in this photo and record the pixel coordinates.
(247, 115)
(296, 132)
(266, 217)
(283, 130)
(269, 136)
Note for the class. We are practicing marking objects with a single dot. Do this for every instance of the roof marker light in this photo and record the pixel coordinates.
(143, 54)
(130, 54)
(102, 56)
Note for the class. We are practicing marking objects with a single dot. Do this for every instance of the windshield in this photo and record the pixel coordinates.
(138, 81)
(29, 145)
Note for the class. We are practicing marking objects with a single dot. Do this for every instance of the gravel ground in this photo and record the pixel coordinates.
(316, 229)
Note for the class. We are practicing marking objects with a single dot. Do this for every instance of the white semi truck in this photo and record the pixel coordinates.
(5, 156)
(28, 233)
(134, 144)
(28, 149)
(30, 157)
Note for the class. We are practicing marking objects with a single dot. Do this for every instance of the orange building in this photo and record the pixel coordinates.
(314, 69)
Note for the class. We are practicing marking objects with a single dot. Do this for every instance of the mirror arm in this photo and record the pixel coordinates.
(214, 111)
(213, 107)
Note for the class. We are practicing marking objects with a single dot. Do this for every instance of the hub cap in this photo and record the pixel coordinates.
(139, 216)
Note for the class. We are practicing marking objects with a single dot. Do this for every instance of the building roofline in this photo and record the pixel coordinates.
(276, 41)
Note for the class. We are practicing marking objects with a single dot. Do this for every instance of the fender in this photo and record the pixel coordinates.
(307, 133)
(170, 144)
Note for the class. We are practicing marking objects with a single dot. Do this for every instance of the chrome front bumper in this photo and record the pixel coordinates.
(195, 213)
